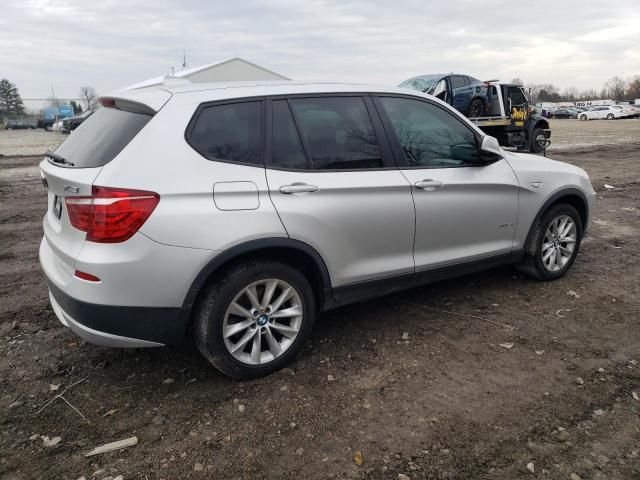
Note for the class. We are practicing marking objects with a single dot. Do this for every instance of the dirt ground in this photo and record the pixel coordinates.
(487, 376)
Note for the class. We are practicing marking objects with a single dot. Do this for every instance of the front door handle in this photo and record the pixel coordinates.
(428, 185)
(298, 188)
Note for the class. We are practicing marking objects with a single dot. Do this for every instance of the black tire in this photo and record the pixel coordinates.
(476, 108)
(532, 264)
(610, 116)
(207, 326)
(535, 146)
(583, 117)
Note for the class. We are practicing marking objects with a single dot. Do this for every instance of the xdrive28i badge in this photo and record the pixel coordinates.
(57, 207)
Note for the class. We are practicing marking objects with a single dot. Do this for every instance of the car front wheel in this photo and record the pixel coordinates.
(254, 318)
(610, 116)
(553, 243)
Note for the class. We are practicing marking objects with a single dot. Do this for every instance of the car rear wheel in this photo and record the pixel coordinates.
(553, 244)
(610, 116)
(254, 319)
(476, 108)
(583, 117)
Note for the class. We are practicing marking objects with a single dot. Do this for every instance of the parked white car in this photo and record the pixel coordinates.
(608, 112)
(57, 126)
(627, 110)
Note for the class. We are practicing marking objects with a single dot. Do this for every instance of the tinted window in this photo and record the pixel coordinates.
(457, 81)
(286, 147)
(101, 137)
(338, 132)
(429, 135)
(229, 132)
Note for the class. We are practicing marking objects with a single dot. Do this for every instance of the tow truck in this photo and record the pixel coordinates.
(512, 120)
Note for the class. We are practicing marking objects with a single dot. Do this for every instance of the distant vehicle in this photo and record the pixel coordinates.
(464, 93)
(601, 113)
(50, 115)
(70, 124)
(627, 110)
(18, 125)
(564, 113)
(57, 126)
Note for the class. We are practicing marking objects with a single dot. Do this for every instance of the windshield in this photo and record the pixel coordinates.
(423, 83)
(101, 137)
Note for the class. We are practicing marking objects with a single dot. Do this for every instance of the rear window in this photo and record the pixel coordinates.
(101, 137)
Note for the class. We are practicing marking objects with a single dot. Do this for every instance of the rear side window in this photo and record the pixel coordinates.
(338, 132)
(101, 137)
(230, 132)
(457, 81)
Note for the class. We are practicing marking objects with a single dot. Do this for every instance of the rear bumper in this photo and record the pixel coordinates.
(113, 326)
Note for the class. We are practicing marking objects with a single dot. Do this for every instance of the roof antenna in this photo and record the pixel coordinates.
(184, 59)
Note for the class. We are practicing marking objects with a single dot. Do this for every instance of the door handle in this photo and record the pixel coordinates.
(298, 188)
(428, 185)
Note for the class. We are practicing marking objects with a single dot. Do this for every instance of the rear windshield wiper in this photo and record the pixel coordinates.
(57, 158)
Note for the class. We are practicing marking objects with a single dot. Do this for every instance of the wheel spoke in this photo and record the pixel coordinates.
(547, 254)
(285, 330)
(256, 347)
(571, 239)
(288, 312)
(274, 346)
(252, 295)
(243, 341)
(239, 310)
(268, 293)
(234, 328)
(284, 296)
(552, 259)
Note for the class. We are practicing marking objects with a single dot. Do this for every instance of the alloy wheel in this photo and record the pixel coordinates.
(262, 321)
(559, 243)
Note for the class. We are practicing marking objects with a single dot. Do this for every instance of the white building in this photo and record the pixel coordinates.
(232, 70)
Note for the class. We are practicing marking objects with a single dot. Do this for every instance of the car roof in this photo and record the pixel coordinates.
(156, 97)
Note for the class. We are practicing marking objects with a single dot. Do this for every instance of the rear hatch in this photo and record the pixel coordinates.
(70, 170)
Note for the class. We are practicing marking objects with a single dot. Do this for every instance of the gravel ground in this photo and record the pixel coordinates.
(28, 142)
(488, 376)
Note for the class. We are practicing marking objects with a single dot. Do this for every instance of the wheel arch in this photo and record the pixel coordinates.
(292, 252)
(573, 197)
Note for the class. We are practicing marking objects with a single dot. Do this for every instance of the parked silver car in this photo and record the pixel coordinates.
(239, 212)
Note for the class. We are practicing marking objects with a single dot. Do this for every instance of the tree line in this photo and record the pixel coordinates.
(616, 88)
(11, 103)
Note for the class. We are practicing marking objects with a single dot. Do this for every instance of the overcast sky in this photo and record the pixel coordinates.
(109, 44)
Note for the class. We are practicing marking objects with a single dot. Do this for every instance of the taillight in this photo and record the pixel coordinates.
(111, 215)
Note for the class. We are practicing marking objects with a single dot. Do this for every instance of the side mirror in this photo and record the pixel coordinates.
(490, 150)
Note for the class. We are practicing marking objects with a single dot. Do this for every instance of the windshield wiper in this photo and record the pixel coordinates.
(57, 158)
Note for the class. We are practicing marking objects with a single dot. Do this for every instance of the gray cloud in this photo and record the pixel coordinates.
(109, 44)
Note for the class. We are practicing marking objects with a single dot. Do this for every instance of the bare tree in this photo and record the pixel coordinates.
(615, 87)
(633, 87)
(517, 81)
(570, 94)
(89, 97)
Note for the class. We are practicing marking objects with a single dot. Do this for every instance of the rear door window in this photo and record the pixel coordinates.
(230, 132)
(338, 132)
(101, 137)
(286, 148)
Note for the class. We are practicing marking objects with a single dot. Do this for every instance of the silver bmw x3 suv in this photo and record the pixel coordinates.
(237, 212)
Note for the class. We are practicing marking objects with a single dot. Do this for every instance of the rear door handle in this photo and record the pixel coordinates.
(298, 188)
(428, 185)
